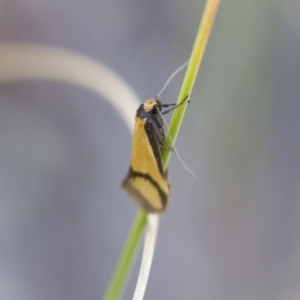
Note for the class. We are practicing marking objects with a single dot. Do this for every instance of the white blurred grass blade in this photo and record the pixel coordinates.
(148, 252)
(40, 62)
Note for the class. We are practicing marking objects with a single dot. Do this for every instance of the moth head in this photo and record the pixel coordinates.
(152, 105)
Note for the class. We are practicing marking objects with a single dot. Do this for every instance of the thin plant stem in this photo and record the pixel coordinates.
(209, 14)
(147, 256)
(125, 263)
(124, 266)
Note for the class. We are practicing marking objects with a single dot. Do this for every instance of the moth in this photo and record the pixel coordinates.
(146, 182)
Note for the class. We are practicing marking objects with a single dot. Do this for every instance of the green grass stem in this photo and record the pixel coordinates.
(124, 266)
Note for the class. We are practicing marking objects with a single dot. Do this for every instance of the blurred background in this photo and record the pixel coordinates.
(232, 233)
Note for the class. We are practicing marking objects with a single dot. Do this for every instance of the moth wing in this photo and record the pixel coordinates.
(146, 181)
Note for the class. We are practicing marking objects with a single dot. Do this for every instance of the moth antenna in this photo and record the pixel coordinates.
(171, 77)
(175, 150)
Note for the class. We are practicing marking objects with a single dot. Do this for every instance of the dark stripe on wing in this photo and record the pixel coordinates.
(154, 146)
(162, 194)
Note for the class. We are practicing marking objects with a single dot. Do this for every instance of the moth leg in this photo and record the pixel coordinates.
(171, 149)
(168, 110)
(167, 105)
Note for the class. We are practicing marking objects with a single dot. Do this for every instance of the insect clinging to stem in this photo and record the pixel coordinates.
(146, 181)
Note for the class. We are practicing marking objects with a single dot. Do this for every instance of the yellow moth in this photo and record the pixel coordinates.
(146, 181)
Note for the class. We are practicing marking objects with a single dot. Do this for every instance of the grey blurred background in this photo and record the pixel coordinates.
(233, 233)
